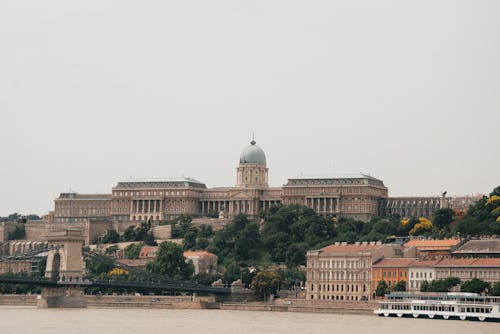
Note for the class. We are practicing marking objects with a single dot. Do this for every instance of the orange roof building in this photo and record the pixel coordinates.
(432, 249)
(203, 261)
(391, 270)
(486, 269)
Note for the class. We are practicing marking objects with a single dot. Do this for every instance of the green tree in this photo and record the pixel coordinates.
(205, 231)
(399, 286)
(440, 285)
(475, 285)
(266, 283)
(442, 218)
(495, 289)
(133, 251)
(99, 264)
(111, 250)
(189, 241)
(171, 262)
(202, 243)
(292, 278)
(19, 233)
(129, 234)
(204, 279)
(111, 237)
(296, 254)
(381, 289)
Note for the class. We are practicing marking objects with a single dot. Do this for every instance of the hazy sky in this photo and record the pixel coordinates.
(94, 92)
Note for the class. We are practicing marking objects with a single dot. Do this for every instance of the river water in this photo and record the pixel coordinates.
(20, 320)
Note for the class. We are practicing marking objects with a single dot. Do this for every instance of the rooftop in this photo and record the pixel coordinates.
(422, 244)
(160, 182)
(197, 253)
(485, 246)
(470, 262)
(350, 248)
(335, 176)
(395, 262)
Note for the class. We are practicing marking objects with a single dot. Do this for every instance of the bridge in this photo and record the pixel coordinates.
(64, 279)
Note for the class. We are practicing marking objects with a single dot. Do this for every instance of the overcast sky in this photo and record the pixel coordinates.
(94, 92)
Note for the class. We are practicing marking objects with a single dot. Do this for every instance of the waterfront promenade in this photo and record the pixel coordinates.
(187, 302)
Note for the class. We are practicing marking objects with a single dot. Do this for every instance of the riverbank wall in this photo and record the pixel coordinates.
(188, 302)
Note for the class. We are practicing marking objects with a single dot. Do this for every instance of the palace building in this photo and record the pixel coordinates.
(357, 196)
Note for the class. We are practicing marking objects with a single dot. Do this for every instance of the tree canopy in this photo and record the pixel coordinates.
(171, 262)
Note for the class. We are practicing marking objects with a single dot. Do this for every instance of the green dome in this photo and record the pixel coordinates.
(253, 154)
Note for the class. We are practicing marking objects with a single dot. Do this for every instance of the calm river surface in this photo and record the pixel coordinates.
(20, 320)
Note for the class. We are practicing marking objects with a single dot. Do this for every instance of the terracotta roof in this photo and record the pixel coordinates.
(197, 253)
(446, 243)
(146, 250)
(479, 246)
(395, 262)
(470, 262)
(424, 263)
(349, 248)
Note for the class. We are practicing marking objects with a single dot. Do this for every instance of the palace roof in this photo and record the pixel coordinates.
(335, 179)
(179, 182)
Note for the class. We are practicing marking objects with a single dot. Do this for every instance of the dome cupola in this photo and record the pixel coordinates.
(253, 154)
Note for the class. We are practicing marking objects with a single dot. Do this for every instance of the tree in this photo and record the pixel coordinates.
(129, 234)
(440, 285)
(111, 237)
(171, 262)
(99, 264)
(399, 286)
(204, 279)
(475, 285)
(442, 218)
(133, 251)
(381, 289)
(189, 241)
(18, 234)
(266, 283)
(495, 290)
(111, 250)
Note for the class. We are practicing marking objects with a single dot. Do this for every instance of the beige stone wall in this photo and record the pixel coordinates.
(5, 228)
(162, 232)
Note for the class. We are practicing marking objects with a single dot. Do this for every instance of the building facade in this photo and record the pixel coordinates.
(392, 271)
(357, 196)
(419, 272)
(343, 272)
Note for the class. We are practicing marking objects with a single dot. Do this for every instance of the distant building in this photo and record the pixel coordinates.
(486, 269)
(343, 272)
(479, 248)
(392, 271)
(421, 271)
(424, 206)
(432, 249)
(357, 196)
(203, 261)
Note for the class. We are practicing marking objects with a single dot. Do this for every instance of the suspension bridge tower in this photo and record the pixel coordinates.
(65, 266)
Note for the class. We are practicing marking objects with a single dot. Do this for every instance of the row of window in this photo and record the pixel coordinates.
(148, 193)
(340, 297)
(339, 275)
(343, 264)
(420, 275)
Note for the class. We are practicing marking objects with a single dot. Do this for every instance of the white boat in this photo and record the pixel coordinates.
(450, 305)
